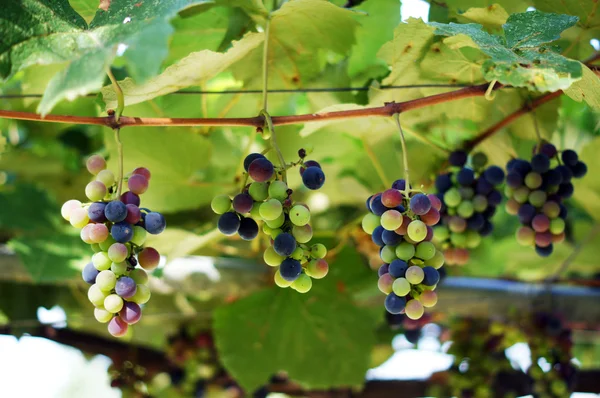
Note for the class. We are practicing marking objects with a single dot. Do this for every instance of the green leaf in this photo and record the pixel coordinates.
(192, 70)
(534, 28)
(587, 189)
(587, 11)
(86, 8)
(280, 329)
(16, 210)
(587, 89)
(493, 16)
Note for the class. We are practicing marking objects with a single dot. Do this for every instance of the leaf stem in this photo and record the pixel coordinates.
(120, 96)
(265, 62)
(271, 129)
(376, 163)
(396, 117)
(120, 161)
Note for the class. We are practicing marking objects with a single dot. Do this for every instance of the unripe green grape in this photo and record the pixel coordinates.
(101, 261)
(139, 276)
(537, 198)
(275, 232)
(118, 252)
(276, 223)
(255, 212)
(317, 268)
(391, 220)
(414, 309)
(110, 241)
(68, 207)
(271, 209)
(436, 261)
(533, 180)
(96, 296)
(369, 222)
(405, 251)
(142, 295)
(106, 280)
(551, 209)
(473, 239)
(401, 287)
(119, 268)
(95, 191)
(466, 192)
(299, 215)
(298, 254)
(425, 250)
(415, 275)
(479, 203)
(259, 191)
(79, 217)
(96, 247)
(95, 164)
(465, 209)
(113, 303)
(458, 239)
(272, 258)
(266, 229)
(139, 236)
(441, 233)
(478, 160)
(302, 284)
(385, 283)
(106, 177)
(417, 230)
(318, 251)
(521, 194)
(279, 281)
(388, 253)
(557, 226)
(512, 207)
(278, 190)
(220, 204)
(302, 234)
(452, 197)
(508, 191)
(102, 315)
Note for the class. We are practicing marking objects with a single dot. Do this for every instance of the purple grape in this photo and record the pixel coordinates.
(261, 170)
(540, 163)
(122, 232)
(307, 164)
(483, 186)
(514, 180)
(242, 203)
(251, 158)
(548, 150)
(494, 174)
(89, 273)
(394, 304)
(131, 312)
(397, 268)
(565, 172)
(290, 269)
(565, 190)
(399, 184)
(432, 277)
(125, 287)
(134, 215)
(155, 223)
(486, 229)
(390, 238)
(129, 198)
(284, 244)
(383, 269)
(115, 211)
(248, 229)
(96, 212)
(377, 236)
(494, 198)
(569, 157)
(313, 178)
(420, 204)
(465, 177)
(117, 327)
(458, 158)
(229, 223)
(579, 170)
(443, 183)
(377, 207)
(526, 213)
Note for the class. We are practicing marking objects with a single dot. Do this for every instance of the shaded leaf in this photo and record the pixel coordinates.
(587, 89)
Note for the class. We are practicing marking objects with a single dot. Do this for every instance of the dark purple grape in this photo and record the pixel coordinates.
(494, 198)
(569, 157)
(565, 190)
(394, 321)
(96, 212)
(563, 211)
(420, 204)
(579, 170)
(129, 198)
(115, 211)
(313, 178)
(413, 336)
(486, 229)
(290, 269)
(125, 287)
(475, 223)
(377, 236)
(526, 213)
(155, 223)
(251, 158)
(248, 229)
(130, 313)
(261, 170)
(565, 172)
(544, 251)
(377, 207)
(494, 174)
(368, 202)
(284, 244)
(399, 184)
(483, 186)
(432, 277)
(228, 223)
(522, 167)
(390, 238)
(458, 158)
(122, 232)
(242, 203)
(89, 273)
(548, 150)
(540, 163)
(307, 164)
(397, 268)
(394, 304)
(514, 180)
(552, 177)
(443, 183)
(383, 269)
(465, 177)
(489, 212)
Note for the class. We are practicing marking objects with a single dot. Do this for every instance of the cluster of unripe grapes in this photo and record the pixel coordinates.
(268, 199)
(536, 192)
(400, 222)
(469, 194)
(116, 229)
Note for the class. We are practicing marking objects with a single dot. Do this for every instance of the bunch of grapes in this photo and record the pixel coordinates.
(469, 194)
(286, 222)
(412, 327)
(116, 229)
(400, 222)
(536, 192)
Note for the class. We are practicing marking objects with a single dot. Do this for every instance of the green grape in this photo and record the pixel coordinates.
(279, 281)
(525, 236)
(102, 315)
(278, 190)
(276, 223)
(299, 215)
(401, 287)
(537, 198)
(388, 253)
(221, 204)
(95, 191)
(414, 309)
(272, 258)
(79, 217)
(385, 283)
(113, 303)
(428, 299)
(139, 276)
(106, 280)
(106, 177)
(425, 251)
(521, 194)
(478, 160)
(465, 209)
(458, 239)
(415, 275)
(259, 191)
(557, 226)
(508, 191)
(405, 251)
(480, 203)
(101, 261)
(391, 220)
(266, 229)
(96, 296)
(139, 236)
(302, 234)
(417, 230)
(441, 233)
(275, 232)
(96, 248)
(318, 251)
(551, 209)
(452, 197)
(255, 212)
(436, 261)
(533, 180)
(119, 268)
(298, 254)
(142, 295)
(369, 222)
(302, 284)
(110, 241)
(271, 209)
(317, 268)
(118, 252)
(473, 239)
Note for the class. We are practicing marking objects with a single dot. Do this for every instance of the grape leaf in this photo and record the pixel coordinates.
(587, 89)
(520, 58)
(587, 189)
(279, 329)
(87, 8)
(493, 16)
(16, 214)
(192, 70)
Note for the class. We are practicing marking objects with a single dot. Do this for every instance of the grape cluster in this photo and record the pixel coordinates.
(469, 194)
(116, 229)
(400, 222)
(536, 192)
(286, 222)
(413, 328)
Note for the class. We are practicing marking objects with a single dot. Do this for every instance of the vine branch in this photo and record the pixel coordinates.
(404, 156)
(120, 95)
(120, 160)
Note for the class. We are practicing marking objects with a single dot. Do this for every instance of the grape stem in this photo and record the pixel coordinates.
(269, 126)
(120, 161)
(407, 188)
(120, 96)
